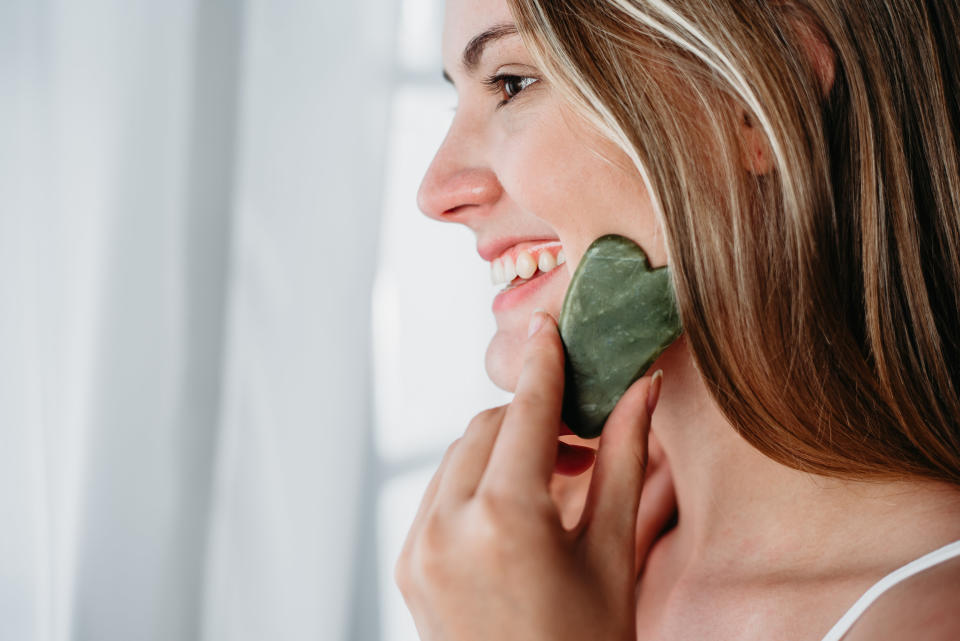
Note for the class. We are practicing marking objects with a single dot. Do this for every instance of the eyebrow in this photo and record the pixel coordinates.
(473, 52)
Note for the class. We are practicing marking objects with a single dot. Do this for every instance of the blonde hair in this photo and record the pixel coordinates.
(821, 295)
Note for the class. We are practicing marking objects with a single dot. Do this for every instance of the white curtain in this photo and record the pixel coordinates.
(189, 207)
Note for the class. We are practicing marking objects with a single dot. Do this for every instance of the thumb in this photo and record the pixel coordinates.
(608, 522)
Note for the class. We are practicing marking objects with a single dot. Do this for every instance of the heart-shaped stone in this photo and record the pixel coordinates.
(617, 318)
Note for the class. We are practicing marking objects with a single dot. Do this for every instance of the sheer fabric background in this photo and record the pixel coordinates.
(190, 196)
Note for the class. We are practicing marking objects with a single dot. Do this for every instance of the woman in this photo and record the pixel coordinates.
(796, 164)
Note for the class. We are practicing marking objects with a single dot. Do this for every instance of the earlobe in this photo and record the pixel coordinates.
(755, 153)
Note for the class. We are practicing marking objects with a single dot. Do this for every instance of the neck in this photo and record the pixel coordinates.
(740, 511)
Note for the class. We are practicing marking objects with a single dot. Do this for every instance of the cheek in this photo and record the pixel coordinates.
(582, 186)
(548, 177)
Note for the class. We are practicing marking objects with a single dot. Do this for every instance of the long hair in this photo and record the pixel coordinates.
(820, 293)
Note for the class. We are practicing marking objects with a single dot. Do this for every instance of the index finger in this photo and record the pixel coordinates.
(526, 448)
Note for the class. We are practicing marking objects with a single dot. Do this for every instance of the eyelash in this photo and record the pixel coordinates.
(498, 84)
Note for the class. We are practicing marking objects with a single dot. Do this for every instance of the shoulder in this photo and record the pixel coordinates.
(925, 607)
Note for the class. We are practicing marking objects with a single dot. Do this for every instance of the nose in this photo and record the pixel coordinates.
(458, 184)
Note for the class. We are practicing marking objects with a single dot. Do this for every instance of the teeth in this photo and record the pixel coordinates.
(561, 257)
(504, 269)
(546, 262)
(496, 272)
(509, 269)
(526, 266)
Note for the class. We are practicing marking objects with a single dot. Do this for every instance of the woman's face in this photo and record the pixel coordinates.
(534, 181)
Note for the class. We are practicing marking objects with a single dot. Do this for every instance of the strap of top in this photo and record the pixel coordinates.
(945, 553)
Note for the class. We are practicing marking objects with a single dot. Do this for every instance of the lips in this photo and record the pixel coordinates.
(523, 265)
(493, 249)
(521, 290)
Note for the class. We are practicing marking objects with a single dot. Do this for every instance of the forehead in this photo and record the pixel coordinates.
(464, 19)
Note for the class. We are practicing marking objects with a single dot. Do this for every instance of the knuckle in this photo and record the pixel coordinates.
(494, 536)
(496, 509)
(434, 568)
(529, 402)
(485, 421)
(489, 503)
(547, 349)
(422, 563)
(451, 448)
(539, 382)
(433, 534)
(433, 550)
(486, 417)
(532, 399)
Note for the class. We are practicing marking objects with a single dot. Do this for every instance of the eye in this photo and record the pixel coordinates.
(508, 85)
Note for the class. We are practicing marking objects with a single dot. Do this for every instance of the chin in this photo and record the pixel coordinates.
(504, 359)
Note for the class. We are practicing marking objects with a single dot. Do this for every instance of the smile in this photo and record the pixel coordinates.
(524, 262)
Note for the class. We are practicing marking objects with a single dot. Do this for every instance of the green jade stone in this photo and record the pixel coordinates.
(617, 318)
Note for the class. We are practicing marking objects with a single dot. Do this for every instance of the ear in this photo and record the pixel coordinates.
(755, 149)
(820, 54)
(755, 153)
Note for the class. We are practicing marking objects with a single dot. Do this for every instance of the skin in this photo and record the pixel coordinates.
(503, 547)
(488, 557)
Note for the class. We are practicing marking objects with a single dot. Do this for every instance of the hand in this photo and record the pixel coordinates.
(487, 556)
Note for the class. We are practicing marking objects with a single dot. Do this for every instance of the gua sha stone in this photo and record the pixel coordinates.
(617, 318)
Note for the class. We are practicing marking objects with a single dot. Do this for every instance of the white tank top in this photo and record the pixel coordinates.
(945, 553)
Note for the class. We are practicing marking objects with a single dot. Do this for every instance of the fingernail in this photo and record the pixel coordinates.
(653, 394)
(537, 320)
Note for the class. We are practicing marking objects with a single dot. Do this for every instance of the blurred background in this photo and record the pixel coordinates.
(232, 351)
